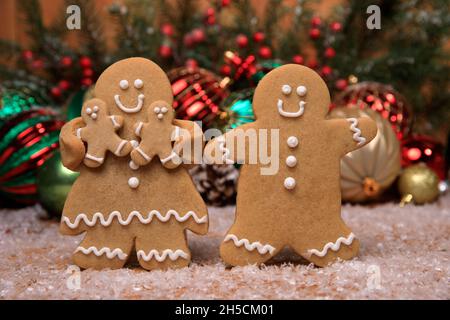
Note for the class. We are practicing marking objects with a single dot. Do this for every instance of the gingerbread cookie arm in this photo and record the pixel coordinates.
(117, 121)
(72, 148)
(231, 147)
(352, 133)
(188, 141)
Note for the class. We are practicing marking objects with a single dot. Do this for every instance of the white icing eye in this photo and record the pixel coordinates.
(95, 109)
(286, 89)
(138, 83)
(123, 84)
(88, 110)
(301, 91)
(164, 110)
(157, 110)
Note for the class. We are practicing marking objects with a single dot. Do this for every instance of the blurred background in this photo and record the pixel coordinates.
(385, 59)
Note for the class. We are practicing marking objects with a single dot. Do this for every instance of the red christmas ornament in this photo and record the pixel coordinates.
(88, 72)
(37, 64)
(198, 35)
(381, 98)
(336, 26)
(191, 63)
(167, 29)
(314, 33)
(316, 21)
(226, 3)
(242, 40)
(165, 51)
(259, 36)
(85, 62)
(197, 93)
(420, 148)
(341, 84)
(56, 92)
(66, 61)
(298, 59)
(313, 64)
(210, 12)
(241, 68)
(27, 55)
(64, 85)
(329, 53)
(86, 82)
(188, 40)
(265, 52)
(326, 71)
(225, 70)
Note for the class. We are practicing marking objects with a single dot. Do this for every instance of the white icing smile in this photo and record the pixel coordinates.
(126, 109)
(296, 114)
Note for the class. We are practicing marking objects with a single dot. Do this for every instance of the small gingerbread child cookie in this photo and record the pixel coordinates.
(299, 204)
(100, 133)
(156, 136)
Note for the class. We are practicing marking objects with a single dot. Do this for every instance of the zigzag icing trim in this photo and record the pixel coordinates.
(144, 220)
(357, 132)
(173, 255)
(110, 254)
(225, 151)
(333, 246)
(250, 246)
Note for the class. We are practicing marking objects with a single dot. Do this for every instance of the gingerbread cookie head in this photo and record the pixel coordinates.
(160, 113)
(129, 86)
(291, 92)
(94, 110)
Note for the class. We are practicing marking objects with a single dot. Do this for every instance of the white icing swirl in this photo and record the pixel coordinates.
(110, 254)
(335, 246)
(173, 255)
(250, 246)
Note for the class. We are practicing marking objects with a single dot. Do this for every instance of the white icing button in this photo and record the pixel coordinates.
(134, 143)
(138, 83)
(286, 89)
(291, 161)
(160, 116)
(94, 116)
(88, 110)
(164, 110)
(301, 91)
(95, 109)
(133, 182)
(133, 165)
(123, 84)
(289, 183)
(292, 141)
(157, 110)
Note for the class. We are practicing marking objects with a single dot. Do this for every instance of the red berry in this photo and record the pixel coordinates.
(298, 59)
(225, 70)
(27, 54)
(191, 63)
(188, 40)
(167, 29)
(85, 62)
(56, 92)
(88, 73)
(314, 33)
(330, 53)
(210, 12)
(165, 51)
(265, 52)
(198, 35)
(66, 61)
(341, 84)
(336, 26)
(210, 20)
(37, 64)
(64, 84)
(242, 40)
(316, 21)
(259, 37)
(326, 70)
(313, 64)
(226, 3)
(86, 82)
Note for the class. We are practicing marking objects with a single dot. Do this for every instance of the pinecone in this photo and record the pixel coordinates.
(216, 183)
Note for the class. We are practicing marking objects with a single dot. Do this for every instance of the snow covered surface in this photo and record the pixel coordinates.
(405, 254)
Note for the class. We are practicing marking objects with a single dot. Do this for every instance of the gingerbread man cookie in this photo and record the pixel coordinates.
(300, 204)
(100, 133)
(129, 203)
(156, 136)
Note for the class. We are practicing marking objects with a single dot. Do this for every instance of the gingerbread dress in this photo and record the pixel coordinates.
(297, 203)
(121, 204)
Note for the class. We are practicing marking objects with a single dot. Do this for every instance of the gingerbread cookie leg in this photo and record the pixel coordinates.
(104, 247)
(168, 250)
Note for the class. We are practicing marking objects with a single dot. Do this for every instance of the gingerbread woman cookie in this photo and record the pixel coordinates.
(300, 205)
(100, 133)
(122, 205)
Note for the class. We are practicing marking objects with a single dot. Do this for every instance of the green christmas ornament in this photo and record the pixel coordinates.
(236, 109)
(53, 184)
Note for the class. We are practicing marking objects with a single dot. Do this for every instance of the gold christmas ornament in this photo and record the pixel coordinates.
(418, 184)
(367, 172)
